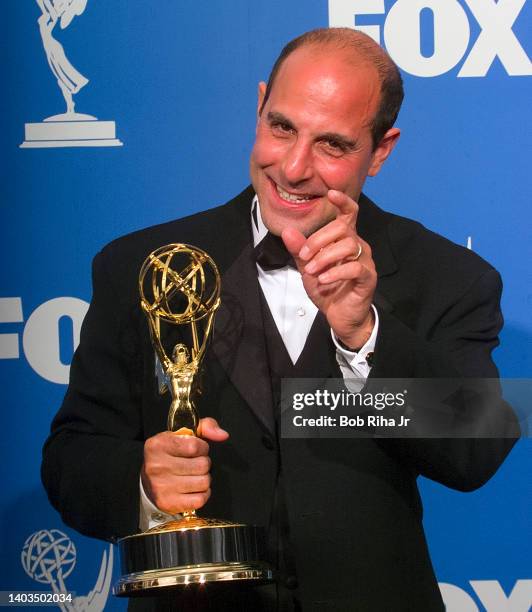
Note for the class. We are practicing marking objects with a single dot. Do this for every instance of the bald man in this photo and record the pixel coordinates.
(318, 282)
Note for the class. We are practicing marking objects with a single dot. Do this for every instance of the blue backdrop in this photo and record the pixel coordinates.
(179, 81)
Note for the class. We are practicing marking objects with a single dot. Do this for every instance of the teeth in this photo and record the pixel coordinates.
(291, 197)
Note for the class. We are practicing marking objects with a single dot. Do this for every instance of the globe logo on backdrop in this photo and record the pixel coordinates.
(49, 556)
(70, 128)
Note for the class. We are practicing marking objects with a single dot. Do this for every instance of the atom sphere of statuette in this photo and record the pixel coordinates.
(179, 283)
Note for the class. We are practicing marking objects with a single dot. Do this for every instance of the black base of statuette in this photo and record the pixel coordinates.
(177, 555)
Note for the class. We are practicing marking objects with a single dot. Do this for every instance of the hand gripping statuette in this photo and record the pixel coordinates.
(180, 285)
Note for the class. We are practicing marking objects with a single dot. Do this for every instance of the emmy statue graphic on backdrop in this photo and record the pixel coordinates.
(49, 556)
(68, 129)
(180, 286)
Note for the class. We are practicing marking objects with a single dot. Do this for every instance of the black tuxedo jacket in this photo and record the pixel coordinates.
(353, 506)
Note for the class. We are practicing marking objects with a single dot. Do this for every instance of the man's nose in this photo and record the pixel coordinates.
(297, 163)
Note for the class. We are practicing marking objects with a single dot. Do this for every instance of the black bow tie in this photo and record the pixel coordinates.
(271, 253)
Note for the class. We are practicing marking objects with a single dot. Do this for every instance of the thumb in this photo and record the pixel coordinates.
(293, 240)
(209, 429)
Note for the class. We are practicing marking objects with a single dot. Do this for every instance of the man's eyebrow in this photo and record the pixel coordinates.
(339, 139)
(276, 117)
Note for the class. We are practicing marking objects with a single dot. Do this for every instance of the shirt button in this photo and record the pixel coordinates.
(157, 516)
(291, 582)
(301, 312)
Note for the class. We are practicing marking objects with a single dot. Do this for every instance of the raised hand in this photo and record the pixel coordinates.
(338, 271)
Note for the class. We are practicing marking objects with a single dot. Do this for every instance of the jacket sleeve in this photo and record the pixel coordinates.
(457, 346)
(92, 458)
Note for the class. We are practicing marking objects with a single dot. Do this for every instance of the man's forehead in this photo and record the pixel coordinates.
(331, 56)
(328, 80)
(328, 65)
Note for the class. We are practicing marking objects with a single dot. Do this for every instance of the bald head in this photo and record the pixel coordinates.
(356, 48)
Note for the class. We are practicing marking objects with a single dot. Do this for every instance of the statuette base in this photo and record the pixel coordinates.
(192, 550)
(144, 582)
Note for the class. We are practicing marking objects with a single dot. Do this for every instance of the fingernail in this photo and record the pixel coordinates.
(304, 253)
(323, 278)
(310, 267)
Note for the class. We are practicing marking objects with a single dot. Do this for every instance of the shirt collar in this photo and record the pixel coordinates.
(257, 224)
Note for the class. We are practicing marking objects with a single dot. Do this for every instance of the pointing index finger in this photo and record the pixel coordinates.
(348, 208)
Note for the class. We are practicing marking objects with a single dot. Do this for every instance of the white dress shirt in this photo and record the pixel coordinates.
(293, 313)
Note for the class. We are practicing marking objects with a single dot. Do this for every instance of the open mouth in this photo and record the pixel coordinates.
(294, 198)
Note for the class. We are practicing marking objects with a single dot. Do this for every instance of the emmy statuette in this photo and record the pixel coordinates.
(180, 285)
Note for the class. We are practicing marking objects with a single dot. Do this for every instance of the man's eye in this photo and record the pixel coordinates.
(334, 147)
(281, 128)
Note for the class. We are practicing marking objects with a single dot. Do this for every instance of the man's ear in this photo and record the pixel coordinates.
(260, 96)
(383, 150)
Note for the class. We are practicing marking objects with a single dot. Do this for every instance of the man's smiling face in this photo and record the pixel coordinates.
(314, 134)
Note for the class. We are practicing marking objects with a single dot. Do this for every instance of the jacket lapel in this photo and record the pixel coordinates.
(238, 337)
(372, 225)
